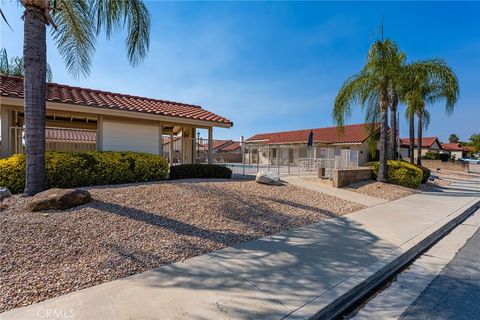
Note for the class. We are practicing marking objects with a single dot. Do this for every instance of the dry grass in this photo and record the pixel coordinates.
(131, 229)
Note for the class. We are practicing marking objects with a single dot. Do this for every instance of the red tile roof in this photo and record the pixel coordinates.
(355, 133)
(13, 87)
(426, 142)
(220, 143)
(230, 147)
(74, 135)
(454, 147)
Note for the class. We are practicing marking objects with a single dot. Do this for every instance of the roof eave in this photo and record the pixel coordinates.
(14, 101)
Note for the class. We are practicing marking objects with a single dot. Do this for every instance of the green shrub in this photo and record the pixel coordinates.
(431, 156)
(79, 169)
(425, 173)
(186, 171)
(401, 173)
(12, 173)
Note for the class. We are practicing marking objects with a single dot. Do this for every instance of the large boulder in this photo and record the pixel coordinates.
(4, 193)
(269, 178)
(59, 199)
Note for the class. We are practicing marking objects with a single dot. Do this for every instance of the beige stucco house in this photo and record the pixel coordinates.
(429, 144)
(455, 150)
(288, 147)
(118, 122)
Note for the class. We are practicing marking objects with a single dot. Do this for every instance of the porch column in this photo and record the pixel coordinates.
(171, 150)
(160, 139)
(6, 121)
(99, 142)
(194, 145)
(210, 145)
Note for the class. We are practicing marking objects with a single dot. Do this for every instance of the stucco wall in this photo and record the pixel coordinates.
(448, 165)
(130, 136)
(343, 177)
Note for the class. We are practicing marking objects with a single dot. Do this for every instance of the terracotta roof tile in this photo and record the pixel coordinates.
(355, 133)
(231, 147)
(426, 141)
(217, 144)
(73, 135)
(13, 87)
(454, 147)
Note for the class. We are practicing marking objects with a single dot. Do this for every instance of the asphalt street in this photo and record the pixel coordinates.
(455, 292)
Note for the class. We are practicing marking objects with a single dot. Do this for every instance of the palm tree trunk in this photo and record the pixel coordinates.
(35, 54)
(411, 147)
(382, 167)
(393, 133)
(393, 125)
(419, 137)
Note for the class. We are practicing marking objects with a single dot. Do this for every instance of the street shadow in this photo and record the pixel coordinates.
(289, 269)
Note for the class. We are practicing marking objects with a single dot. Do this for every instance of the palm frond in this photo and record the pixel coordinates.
(353, 90)
(4, 67)
(132, 14)
(5, 19)
(75, 35)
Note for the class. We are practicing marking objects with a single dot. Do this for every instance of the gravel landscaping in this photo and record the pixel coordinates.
(380, 190)
(392, 192)
(133, 228)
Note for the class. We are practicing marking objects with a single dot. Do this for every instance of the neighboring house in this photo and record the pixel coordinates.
(230, 151)
(455, 150)
(219, 144)
(232, 148)
(121, 122)
(429, 144)
(287, 147)
(61, 139)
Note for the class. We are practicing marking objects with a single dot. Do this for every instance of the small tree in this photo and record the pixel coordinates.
(453, 138)
(15, 66)
(475, 142)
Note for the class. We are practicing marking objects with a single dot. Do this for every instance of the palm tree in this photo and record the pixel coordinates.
(370, 88)
(427, 82)
(76, 24)
(14, 66)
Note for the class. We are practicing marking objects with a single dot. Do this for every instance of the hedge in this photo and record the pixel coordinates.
(401, 173)
(186, 171)
(80, 169)
(425, 172)
(431, 156)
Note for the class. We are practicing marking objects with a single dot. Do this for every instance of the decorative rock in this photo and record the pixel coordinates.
(59, 199)
(4, 193)
(269, 178)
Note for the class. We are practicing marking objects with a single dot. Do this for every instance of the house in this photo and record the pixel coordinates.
(287, 147)
(229, 151)
(429, 144)
(223, 150)
(120, 122)
(455, 150)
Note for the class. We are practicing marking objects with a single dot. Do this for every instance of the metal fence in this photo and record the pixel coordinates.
(293, 160)
(18, 143)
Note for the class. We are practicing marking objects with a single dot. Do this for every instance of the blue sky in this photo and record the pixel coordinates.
(271, 66)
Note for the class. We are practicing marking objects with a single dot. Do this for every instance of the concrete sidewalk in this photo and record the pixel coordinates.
(292, 275)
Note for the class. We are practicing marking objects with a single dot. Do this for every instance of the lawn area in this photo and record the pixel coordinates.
(133, 228)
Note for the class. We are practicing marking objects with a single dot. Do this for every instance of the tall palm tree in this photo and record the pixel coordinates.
(76, 25)
(370, 88)
(427, 82)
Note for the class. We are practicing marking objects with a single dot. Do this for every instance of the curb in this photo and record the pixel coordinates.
(371, 283)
